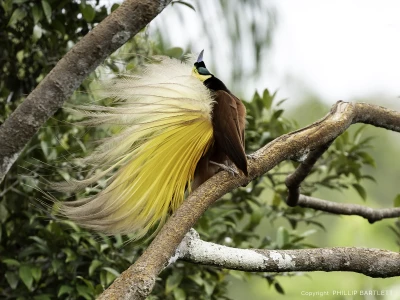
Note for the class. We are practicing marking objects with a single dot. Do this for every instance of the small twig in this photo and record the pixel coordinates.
(294, 180)
(371, 214)
(5, 191)
(370, 262)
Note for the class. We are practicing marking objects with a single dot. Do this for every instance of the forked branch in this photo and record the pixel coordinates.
(138, 280)
(294, 180)
(364, 113)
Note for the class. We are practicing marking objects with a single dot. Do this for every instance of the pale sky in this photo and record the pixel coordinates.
(337, 49)
(340, 49)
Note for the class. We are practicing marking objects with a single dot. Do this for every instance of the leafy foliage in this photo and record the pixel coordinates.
(34, 36)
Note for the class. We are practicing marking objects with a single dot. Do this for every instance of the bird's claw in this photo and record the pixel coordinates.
(229, 169)
(251, 156)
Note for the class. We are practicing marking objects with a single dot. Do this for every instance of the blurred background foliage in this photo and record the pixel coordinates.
(44, 258)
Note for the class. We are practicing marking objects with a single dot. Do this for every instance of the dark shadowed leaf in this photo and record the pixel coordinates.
(173, 281)
(12, 279)
(279, 288)
(17, 15)
(360, 190)
(88, 12)
(47, 10)
(26, 276)
(65, 289)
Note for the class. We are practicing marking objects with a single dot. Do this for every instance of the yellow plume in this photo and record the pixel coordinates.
(165, 118)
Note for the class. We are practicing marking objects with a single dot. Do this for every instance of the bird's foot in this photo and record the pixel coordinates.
(251, 156)
(229, 169)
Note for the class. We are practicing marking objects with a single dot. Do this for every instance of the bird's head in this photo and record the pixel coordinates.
(200, 70)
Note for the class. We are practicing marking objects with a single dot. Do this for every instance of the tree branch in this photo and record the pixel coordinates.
(68, 74)
(364, 113)
(138, 280)
(370, 262)
(371, 214)
(294, 180)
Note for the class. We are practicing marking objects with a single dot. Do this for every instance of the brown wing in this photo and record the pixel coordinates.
(242, 118)
(228, 123)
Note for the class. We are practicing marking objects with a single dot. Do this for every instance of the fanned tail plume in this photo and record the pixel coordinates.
(165, 119)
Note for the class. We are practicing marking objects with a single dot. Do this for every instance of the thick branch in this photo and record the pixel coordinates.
(371, 214)
(138, 280)
(370, 262)
(376, 115)
(69, 73)
(364, 113)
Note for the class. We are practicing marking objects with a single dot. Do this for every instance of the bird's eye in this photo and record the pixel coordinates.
(203, 71)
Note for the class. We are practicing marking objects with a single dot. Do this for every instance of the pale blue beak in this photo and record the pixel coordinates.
(200, 58)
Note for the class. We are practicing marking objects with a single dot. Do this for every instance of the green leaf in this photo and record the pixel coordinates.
(72, 225)
(57, 25)
(84, 291)
(17, 15)
(88, 12)
(112, 271)
(26, 276)
(88, 283)
(276, 201)
(10, 262)
(197, 279)
(93, 266)
(209, 287)
(20, 55)
(37, 14)
(281, 101)
(12, 279)
(56, 264)
(173, 282)
(277, 114)
(7, 6)
(71, 255)
(114, 6)
(47, 10)
(366, 158)
(368, 177)
(109, 277)
(37, 34)
(64, 289)
(282, 237)
(3, 213)
(358, 133)
(103, 278)
(179, 294)
(279, 288)
(36, 273)
(267, 98)
(119, 241)
(308, 232)
(259, 104)
(360, 190)
(396, 201)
